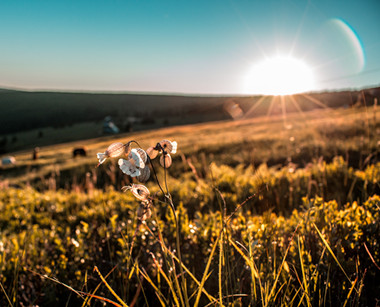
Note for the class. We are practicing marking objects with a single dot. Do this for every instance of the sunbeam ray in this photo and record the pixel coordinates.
(316, 101)
(295, 103)
(283, 109)
(271, 105)
(258, 103)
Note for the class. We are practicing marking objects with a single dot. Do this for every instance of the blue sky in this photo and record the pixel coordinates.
(193, 47)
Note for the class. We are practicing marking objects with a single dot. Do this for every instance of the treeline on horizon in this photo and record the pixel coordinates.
(23, 111)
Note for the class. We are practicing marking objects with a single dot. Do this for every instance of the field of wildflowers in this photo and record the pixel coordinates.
(221, 234)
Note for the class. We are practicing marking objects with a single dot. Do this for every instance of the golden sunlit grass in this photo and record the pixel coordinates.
(255, 212)
(242, 141)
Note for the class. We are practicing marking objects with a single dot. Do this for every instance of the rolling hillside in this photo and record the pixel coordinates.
(30, 119)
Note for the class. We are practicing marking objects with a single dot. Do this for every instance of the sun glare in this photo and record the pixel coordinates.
(279, 75)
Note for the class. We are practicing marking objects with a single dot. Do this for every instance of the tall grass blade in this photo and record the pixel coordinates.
(109, 287)
(170, 284)
(103, 299)
(331, 252)
(167, 251)
(88, 299)
(305, 285)
(247, 260)
(158, 293)
(350, 292)
(206, 270)
(209, 296)
(370, 256)
(220, 270)
(9, 301)
(267, 300)
(253, 286)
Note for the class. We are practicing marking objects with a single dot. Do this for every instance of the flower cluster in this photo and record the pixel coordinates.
(135, 163)
(166, 148)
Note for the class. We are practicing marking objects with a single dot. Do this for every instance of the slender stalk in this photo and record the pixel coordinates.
(168, 200)
(183, 278)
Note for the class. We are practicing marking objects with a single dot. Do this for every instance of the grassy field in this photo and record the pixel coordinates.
(267, 211)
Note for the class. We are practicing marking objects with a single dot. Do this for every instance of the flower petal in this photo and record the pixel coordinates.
(128, 168)
(102, 157)
(135, 155)
(166, 145)
(166, 160)
(152, 153)
(169, 147)
(142, 154)
(174, 147)
(115, 150)
(145, 174)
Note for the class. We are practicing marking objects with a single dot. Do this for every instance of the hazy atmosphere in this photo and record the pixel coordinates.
(202, 47)
(189, 153)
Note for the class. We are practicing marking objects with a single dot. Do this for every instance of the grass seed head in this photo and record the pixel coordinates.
(140, 191)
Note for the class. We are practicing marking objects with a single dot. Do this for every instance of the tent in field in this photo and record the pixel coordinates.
(109, 127)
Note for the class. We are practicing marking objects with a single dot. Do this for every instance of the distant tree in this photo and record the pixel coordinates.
(40, 134)
(148, 120)
(3, 145)
(128, 127)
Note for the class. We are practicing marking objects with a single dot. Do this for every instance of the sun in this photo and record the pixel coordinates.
(279, 75)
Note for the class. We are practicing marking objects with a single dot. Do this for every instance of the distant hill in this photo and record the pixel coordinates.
(24, 111)
(21, 110)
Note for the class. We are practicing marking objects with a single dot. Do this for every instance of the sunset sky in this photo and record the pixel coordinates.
(191, 47)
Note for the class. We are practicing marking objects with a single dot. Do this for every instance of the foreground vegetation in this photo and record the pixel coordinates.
(266, 219)
(321, 253)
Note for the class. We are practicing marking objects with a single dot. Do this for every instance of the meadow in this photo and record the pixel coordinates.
(268, 211)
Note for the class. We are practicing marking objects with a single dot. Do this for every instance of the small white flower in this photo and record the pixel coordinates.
(135, 163)
(129, 168)
(114, 150)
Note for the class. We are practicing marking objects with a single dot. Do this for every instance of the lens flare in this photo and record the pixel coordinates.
(357, 47)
